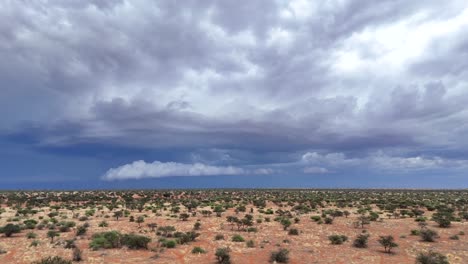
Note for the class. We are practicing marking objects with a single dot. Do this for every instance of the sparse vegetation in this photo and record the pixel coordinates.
(280, 256)
(223, 256)
(431, 257)
(173, 218)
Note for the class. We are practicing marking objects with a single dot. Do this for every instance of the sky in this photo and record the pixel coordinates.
(228, 94)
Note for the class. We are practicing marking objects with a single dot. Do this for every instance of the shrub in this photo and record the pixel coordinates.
(293, 232)
(70, 243)
(431, 258)
(286, 223)
(337, 239)
(81, 230)
(250, 244)
(455, 237)
(198, 250)
(30, 224)
(133, 241)
(52, 234)
(184, 238)
(103, 224)
(219, 237)
(328, 221)
(34, 243)
(53, 260)
(110, 239)
(31, 235)
(361, 241)
(77, 254)
(315, 218)
(443, 217)
(252, 229)
(64, 229)
(280, 256)
(388, 242)
(223, 256)
(237, 238)
(10, 229)
(428, 235)
(169, 243)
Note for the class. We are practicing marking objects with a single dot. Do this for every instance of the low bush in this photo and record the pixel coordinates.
(337, 239)
(280, 256)
(431, 257)
(237, 238)
(293, 232)
(223, 256)
(133, 241)
(53, 260)
(198, 250)
(361, 241)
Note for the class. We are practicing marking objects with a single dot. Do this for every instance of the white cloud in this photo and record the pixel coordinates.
(333, 159)
(378, 161)
(140, 169)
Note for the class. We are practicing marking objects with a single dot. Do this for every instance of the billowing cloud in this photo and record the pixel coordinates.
(140, 169)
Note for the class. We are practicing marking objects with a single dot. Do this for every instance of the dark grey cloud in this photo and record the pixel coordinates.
(270, 78)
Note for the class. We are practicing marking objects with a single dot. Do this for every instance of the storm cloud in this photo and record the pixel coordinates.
(279, 86)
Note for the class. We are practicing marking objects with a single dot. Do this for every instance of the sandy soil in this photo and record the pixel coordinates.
(311, 246)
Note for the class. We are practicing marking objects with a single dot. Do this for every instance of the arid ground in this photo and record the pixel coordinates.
(394, 211)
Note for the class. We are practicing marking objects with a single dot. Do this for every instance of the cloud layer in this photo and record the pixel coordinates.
(140, 169)
(223, 87)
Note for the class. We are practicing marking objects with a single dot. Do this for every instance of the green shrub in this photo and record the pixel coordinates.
(198, 250)
(169, 243)
(184, 238)
(252, 230)
(34, 243)
(30, 224)
(315, 218)
(31, 235)
(223, 256)
(10, 229)
(106, 240)
(133, 241)
(70, 243)
(237, 238)
(293, 232)
(250, 244)
(388, 242)
(53, 260)
(431, 258)
(361, 241)
(428, 235)
(280, 256)
(77, 254)
(337, 239)
(81, 230)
